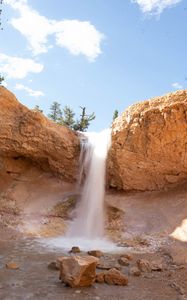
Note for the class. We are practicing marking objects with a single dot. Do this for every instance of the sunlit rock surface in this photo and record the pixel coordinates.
(29, 134)
(149, 144)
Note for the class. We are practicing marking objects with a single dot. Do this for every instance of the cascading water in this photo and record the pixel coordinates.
(87, 229)
(89, 222)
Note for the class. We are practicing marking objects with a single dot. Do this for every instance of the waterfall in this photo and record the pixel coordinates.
(89, 221)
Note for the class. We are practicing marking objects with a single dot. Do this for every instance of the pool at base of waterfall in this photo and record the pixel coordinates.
(66, 243)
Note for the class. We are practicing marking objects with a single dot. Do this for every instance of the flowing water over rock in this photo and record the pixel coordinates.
(89, 222)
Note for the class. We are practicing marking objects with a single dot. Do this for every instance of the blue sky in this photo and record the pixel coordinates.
(102, 54)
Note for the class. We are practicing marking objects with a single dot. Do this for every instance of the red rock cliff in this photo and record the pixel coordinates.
(149, 144)
(29, 134)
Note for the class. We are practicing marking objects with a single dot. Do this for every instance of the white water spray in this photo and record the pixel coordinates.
(89, 222)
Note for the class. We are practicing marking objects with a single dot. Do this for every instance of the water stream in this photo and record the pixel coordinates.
(89, 221)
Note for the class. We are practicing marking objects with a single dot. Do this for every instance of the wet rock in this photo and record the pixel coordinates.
(134, 271)
(100, 277)
(123, 261)
(144, 265)
(115, 277)
(75, 249)
(12, 265)
(78, 271)
(96, 253)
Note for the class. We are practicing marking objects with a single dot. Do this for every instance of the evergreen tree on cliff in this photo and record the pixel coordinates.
(115, 115)
(83, 123)
(1, 79)
(55, 112)
(68, 117)
(37, 108)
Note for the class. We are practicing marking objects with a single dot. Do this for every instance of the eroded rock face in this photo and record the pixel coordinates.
(149, 143)
(29, 134)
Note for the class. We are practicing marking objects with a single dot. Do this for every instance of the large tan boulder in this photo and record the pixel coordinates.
(149, 144)
(29, 134)
(78, 271)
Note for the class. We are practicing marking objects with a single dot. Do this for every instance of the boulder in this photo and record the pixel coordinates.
(78, 271)
(115, 277)
(96, 253)
(26, 133)
(148, 150)
(144, 265)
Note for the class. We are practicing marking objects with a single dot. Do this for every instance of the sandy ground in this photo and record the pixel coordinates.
(148, 225)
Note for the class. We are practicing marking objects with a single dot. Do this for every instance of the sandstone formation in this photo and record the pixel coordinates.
(29, 134)
(149, 144)
(78, 271)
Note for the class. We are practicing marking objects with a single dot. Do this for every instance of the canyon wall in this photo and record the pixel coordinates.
(28, 134)
(149, 145)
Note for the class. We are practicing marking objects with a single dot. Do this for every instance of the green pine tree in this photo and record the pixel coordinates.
(37, 108)
(1, 79)
(83, 123)
(115, 115)
(55, 112)
(68, 117)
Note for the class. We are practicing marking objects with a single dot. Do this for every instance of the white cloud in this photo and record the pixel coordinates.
(18, 67)
(155, 6)
(29, 90)
(177, 86)
(79, 37)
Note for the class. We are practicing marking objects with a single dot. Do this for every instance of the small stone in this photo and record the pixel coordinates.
(96, 253)
(156, 266)
(134, 271)
(100, 277)
(12, 265)
(144, 265)
(53, 266)
(108, 266)
(75, 249)
(123, 261)
(115, 277)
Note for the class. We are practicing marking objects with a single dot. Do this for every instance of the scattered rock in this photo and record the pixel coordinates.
(134, 271)
(108, 265)
(144, 265)
(156, 266)
(53, 266)
(75, 249)
(12, 265)
(100, 277)
(96, 253)
(78, 271)
(115, 277)
(123, 261)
